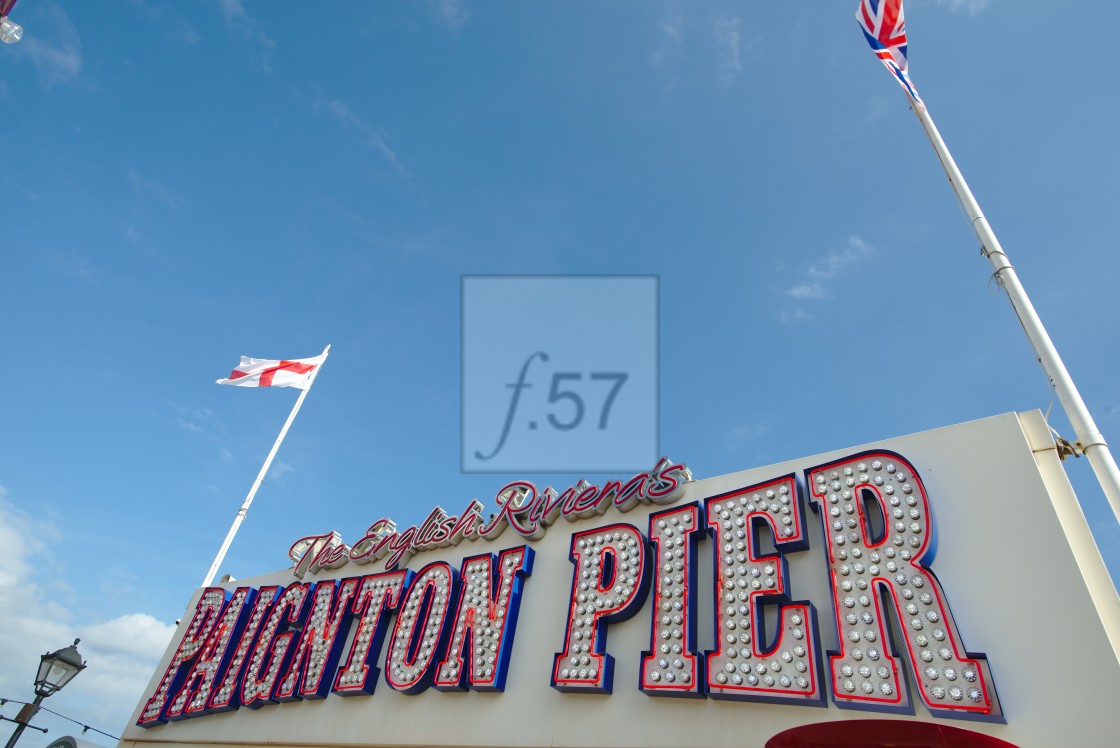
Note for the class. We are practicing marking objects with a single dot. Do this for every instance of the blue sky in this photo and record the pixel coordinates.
(183, 184)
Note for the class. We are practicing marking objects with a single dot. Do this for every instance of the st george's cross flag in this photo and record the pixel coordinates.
(885, 30)
(261, 372)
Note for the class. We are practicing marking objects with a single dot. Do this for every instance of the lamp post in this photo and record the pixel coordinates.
(56, 669)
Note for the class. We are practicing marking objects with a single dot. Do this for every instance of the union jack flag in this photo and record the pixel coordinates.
(885, 29)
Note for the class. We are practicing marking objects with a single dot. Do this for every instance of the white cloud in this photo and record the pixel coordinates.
(146, 187)
(728, 43)
(57, 63)
(972, 7)
(60, 59)
(671, 27)
(344, 114)
(807, 291)
(668, 49)
(877, 106)
(131, 232)
(175, 28)
(184, 33)
(837, 260)
(239, 21)
(73, 266)
(452, 13)
(233, 11)
(189, 425)
(817, 275)
(198, 420)
(794, 316)
(121, 653)
(279, 471)
(737, 436)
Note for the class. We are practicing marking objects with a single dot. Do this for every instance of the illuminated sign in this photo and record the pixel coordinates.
(453, 626)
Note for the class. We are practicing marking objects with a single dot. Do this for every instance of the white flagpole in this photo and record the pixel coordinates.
(260, 476)
(1089, 438)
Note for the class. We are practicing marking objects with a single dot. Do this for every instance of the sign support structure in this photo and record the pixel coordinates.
(240, 517)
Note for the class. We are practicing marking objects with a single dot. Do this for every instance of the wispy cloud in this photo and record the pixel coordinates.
(876, 108)
(728, 48)
(189, 425)
(198, 420)
(837, 260)
(240, 22)
(146, 187)
(343, 113)
(793, 316)
(59, 60)
(972, 7)
(233, 11)
(73, 266)
(803, 291)
(817, 277)
(131, 232)
(452, 13)
(671, 28)
(737, 436)
(175, 27)
(668, 50)
(56, 63)
(183, 32)
(279, 472)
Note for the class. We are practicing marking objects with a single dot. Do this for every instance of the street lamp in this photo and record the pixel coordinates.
(10, 31)
(56, 669)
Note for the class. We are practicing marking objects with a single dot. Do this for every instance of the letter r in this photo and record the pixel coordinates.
(872, 570)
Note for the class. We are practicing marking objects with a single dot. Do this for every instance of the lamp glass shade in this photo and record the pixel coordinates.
(10, 31)
(57, 669)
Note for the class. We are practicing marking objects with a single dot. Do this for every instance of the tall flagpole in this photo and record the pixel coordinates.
(1089, 438)
(260, 476)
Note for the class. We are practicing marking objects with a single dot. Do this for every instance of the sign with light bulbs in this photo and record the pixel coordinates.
(903, 578)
